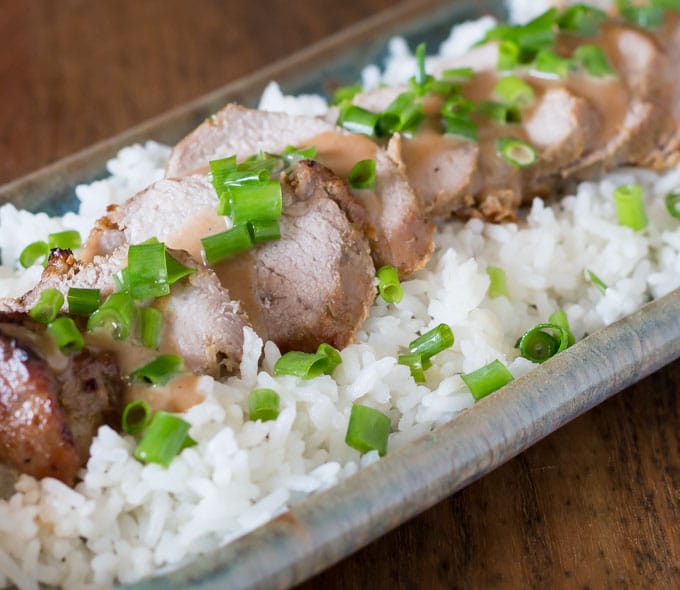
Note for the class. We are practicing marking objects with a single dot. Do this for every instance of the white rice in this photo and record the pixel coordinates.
(125, 521)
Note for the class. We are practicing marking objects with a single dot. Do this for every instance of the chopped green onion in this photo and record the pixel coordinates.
(540, 31)
(136, 417)
(150, 327)
(581, 19)
(241, 177)
(46, 309)
(444, 87)
(66, 335)
(164, 439)
(333, 358)
(487, 379)
(516, 152)
(83, 302)
(115, 315)
(672, 200)
(512, 90)
(255, 201)
(549, 63)
(219, 170)
(402, 114)
(669, 4)
(504, 114)
(227, 243)
(263, 230)
(160, 370)
(432, 342)
(594, 60)
(148, 271)
(642, 16)
(368, 430)
(389, 286)
(292, 155)
(64, 240)
(263, 404)
(597, 281)
(630, 206)
(33, 253)
(537, 345)
(417, 365)
(301, 364)
(346, 93)
(122, 280)
(457, 106)
(358, 120)
(508, 55)
(362, 175)
(176, 270)
(421, 74)
(497, 285)
(461, 74)
(461, 126)
(559, 318)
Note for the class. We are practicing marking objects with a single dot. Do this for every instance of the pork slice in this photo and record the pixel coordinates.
(315, 284)
(51, 405)
(239, 131)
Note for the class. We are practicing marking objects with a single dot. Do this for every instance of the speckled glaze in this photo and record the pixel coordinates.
(330, 525)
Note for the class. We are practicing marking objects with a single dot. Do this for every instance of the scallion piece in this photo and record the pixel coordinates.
(630, 206)
(219, 170)
(597, 281)
(150, 327)
(389, 286)
(46, 309)
(33, 253)
(116, 315)
(358, 120)
(333, 358)
(516, 152)
(83, 302)
(505, 114)
(255, 201)
(136, 417)
(345, 93)
(487, 379)
(458, 74)
(403, 114)
(263, 230)
(66, 335)
(512, 90)
(227, 243)
(462, 126)
(64, 240)
(457, 106)
(538, 346)
(421, 74)
(148, 271)
(263, 404)
(581, 19)
(650, 16)
(508, 55)
(160, 370)
(164, 439)
(122, 280)
(176, 270)
(559, 318)
(416, 364)
(368, 430)
(594, 60)
(292, 155)
(552, 65)
(498, 284)
(672, 201)
(362, 175)
(301, 364)
(432, 342)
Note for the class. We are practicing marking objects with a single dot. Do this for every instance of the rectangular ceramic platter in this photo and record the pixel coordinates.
(329, 526)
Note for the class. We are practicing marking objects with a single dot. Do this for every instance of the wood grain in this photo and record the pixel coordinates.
(594, 505)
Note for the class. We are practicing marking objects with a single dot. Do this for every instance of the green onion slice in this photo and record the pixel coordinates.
(46, 309)
(148, 271)
(498, 283)
(432, 342)
(549, 63)
(176, 270)
(263, 404)
(403, 114)
(64, 240)
(33, 253)
(508, 55)
(255, 201)
(389, 286)
(83, 302)
(358, 120)
(309, 365)
(263, 230)
(136, 417)
(597, 281)
(362, 175)
(516, 152)
(368, 430)
(164, 439)
(333, 358)
(630, 206)
(512, 90)
(227, 243)
(220, 170)
(461, 126)
(487, 379)
(346, 93)
(672, 201)
(457, 106)
(538, 346)
(594, 60)
(505, 114)
(116, 315)
(417, 365)
(650, 16)
(559, 318)
(66, 335)
(150, 327)
(458, 74)
(581, 19)
(421, 74)
(160, 370)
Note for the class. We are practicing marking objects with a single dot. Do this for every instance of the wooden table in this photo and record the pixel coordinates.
(594, 505)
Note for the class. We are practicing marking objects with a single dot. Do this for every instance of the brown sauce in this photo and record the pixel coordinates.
(200, 224)
(180, 394)
(40, 342)
(340, 152)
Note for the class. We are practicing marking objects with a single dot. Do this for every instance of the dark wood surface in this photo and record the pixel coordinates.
(594, 505)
